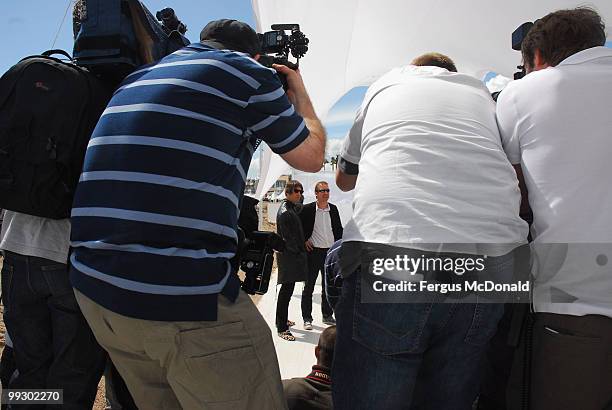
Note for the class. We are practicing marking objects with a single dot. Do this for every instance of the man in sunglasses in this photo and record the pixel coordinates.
(322, 227)
(292, 262)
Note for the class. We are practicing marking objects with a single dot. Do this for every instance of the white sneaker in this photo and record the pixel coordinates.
(307, 325)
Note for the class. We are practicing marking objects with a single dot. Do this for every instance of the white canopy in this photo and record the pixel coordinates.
(271, 166)
(352, 42)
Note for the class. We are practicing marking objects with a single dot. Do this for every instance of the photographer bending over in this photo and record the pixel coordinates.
(556, 127)
(155, 218)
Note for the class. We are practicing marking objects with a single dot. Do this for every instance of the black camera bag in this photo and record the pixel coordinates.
(48, 110)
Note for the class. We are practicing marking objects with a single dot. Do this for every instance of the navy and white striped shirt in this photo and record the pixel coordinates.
(155, 213)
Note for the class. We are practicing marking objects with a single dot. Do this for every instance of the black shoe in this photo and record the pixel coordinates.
(329, 320)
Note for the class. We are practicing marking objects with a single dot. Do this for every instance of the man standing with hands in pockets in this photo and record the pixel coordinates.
(322, 227)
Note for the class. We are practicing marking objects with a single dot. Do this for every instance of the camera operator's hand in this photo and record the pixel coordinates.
(296, 90)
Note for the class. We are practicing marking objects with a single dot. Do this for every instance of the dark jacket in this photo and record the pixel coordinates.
(308, 219)
(312, 392)
(293, 261)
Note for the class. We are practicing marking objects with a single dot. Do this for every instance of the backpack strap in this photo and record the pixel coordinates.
(49, 53)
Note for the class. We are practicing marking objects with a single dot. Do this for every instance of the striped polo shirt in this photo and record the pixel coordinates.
(155, 213)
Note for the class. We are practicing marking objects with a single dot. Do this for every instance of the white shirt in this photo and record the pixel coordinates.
(322, 233)
(431, 166)
(557, 123)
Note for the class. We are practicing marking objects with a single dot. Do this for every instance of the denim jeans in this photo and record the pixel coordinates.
(410, 355)
(7, 368)
(53, 345)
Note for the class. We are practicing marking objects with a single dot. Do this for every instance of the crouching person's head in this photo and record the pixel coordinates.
(314, 390)
(324, 351)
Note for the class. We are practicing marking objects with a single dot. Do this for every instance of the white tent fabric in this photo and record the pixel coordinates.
(270, 169)
(352, 42)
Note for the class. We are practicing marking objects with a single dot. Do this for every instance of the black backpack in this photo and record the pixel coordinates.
(48, 110)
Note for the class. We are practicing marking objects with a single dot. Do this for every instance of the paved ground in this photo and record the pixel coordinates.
(295, 358)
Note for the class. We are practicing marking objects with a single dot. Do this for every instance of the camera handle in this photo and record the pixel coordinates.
(283, 77)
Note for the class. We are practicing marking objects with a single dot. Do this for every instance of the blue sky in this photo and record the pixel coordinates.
(29, 27)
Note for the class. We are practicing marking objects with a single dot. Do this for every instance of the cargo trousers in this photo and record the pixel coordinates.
(229, 363)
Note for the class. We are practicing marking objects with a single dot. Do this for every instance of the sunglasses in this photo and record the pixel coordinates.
(322, 190)
(300, 191)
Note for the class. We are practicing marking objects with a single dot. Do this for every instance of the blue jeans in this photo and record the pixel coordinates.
(410, 355)
(53, 345)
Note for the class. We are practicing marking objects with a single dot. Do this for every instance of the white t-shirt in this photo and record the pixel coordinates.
(557, 123)
(431, 166)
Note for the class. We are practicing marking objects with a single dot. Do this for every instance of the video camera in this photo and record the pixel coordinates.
(255, 258)
(517, 41)
(518, 36)
(170, 22)
(276, 46)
